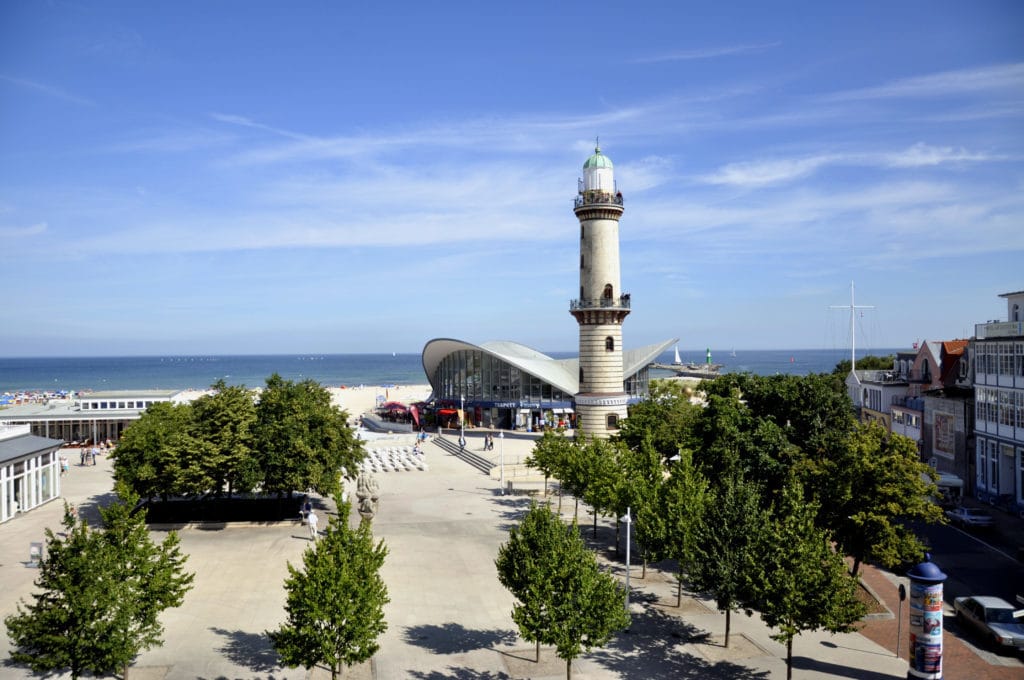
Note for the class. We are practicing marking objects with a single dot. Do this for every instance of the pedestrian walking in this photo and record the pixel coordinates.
(312, 521)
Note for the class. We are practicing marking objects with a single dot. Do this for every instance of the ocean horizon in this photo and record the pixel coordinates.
(56, 374)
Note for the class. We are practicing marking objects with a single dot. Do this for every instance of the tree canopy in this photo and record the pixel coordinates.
(224, 442)
(100, 594)
(335, 603)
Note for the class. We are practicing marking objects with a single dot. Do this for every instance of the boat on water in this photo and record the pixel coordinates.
(690, 369)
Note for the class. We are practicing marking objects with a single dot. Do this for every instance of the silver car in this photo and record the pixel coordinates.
(969, 517)
(993, 618)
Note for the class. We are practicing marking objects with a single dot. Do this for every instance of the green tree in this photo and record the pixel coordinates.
(727, 561)
(805, 584)
(683, 499)
(867, 363)
(527, 565)
(641, 475)
(101, 595)
(149, 455)
(304, 442)
(666, 417)
(564, 599)
(223, 423)
(550, 454)
(335, 603)
(869, 490)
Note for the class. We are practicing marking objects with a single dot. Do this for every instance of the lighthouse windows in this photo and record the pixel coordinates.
(583, 232)
(609, 344)
(607, 291)
(581, 260)
(613, 421)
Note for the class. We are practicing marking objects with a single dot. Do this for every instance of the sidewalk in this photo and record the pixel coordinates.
(448, 616)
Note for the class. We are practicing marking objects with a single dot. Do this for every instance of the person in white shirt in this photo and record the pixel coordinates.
(312, 521)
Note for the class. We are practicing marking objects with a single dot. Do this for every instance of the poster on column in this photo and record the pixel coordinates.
(926, 629)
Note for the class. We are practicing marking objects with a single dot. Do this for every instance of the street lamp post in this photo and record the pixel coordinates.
(501, 461)
(627, 518)
(462, 421)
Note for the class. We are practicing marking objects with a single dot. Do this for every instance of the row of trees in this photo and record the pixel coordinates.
(758, 493)
(101, 592)
(564, 599)
(291, 438)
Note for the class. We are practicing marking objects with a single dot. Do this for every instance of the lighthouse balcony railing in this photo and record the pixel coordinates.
(593, 197)
(621, 302)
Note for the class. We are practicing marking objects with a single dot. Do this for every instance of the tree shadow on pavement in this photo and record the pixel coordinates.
(458, 674)
(838, 671)
(650, 650)
(453, 638)
(252, 650)
(511, 510)
(89, 509)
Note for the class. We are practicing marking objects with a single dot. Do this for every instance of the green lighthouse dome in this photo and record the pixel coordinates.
(598, 160)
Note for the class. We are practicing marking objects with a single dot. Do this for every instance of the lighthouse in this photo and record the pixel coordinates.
(602, 306)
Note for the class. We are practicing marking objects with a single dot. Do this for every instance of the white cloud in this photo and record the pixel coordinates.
(707, 53)
(920, 155)
(1005, 77)
(21, 232)
(760, 173)
(48, 90)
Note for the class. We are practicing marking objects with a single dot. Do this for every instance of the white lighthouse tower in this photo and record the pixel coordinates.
(602, 306)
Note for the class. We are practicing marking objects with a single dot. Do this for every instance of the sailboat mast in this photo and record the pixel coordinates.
(853, 338)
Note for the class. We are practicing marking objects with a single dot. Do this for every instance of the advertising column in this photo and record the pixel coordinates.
(926, 581)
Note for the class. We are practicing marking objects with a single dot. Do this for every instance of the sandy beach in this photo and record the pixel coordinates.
(359, 400)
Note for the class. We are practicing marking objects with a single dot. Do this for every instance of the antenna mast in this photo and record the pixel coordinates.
(853, 338)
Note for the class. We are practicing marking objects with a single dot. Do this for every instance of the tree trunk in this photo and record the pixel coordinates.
(537, 656)
(617, 532)
(643, 572)
(568, 669)
(789, 659)
(679, 589)
(856, 566)
(728, 624)
(559, 499)
(576, 512)
(595, 522)
(545, 486)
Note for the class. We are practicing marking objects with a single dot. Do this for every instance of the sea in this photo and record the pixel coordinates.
(65, 374)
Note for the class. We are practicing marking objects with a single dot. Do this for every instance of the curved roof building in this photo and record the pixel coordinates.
(506, 384)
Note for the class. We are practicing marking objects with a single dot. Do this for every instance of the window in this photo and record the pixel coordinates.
(583, 232)
(613, 421)
(581, 377)
(609, 344)
(607, 291)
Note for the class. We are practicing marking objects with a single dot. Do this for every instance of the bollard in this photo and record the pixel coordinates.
(926, 581)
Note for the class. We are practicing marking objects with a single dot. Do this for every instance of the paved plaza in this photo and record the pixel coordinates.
(448, 616)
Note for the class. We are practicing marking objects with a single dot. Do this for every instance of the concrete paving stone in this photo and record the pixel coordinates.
(448, 617)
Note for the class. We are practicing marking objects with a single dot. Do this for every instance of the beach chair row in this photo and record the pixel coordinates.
(396, 459)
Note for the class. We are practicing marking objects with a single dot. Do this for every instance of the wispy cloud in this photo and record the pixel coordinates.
(8, 232)
(778, 171)
(242, 121)
(1005, 77)
(48, 90)
(706, 53)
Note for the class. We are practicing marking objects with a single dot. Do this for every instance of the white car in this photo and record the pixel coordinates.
(969, 517)
(992, 617)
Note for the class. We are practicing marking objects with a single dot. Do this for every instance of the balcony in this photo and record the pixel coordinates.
(883, 377)
(594, 197)
(600, 303)
(998, 329)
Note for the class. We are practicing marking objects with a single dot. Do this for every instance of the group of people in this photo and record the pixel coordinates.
(488, 442)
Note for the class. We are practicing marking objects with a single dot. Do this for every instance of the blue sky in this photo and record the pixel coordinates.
(249, 177)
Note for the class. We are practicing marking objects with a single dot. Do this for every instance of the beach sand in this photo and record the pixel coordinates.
(359, 400)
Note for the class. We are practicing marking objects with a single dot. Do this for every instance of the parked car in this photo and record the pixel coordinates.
(969, 517)
(993, 618)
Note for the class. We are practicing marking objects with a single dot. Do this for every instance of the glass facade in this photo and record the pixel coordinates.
(28, 482)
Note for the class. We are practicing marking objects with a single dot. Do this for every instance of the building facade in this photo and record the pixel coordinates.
(91, 416)
(998, 352)
(510, 386)
(29, 470)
